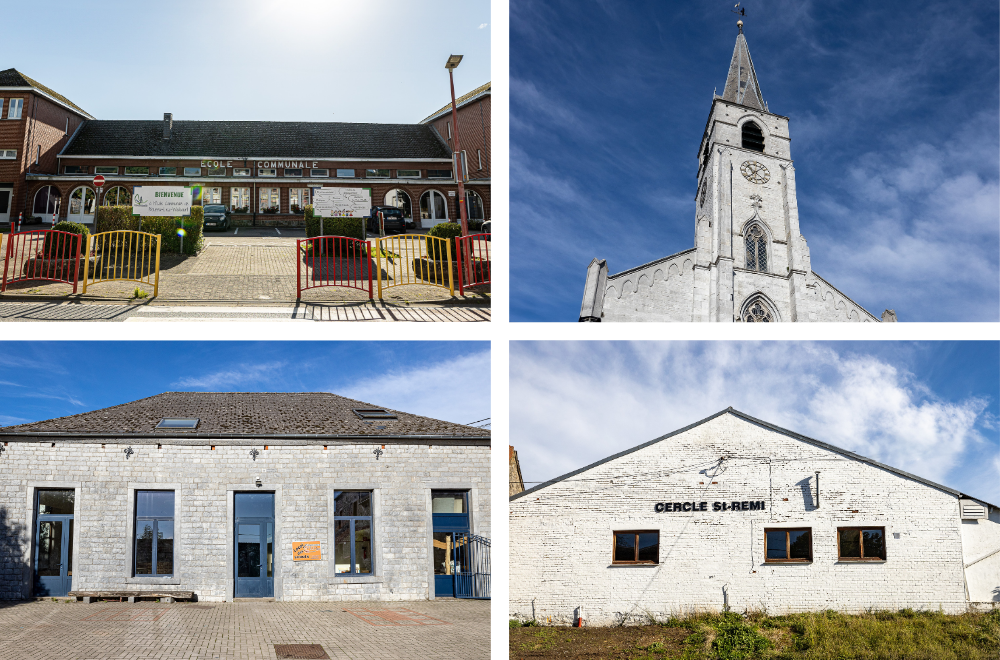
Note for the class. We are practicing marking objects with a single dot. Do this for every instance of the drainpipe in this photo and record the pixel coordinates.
(817, 490)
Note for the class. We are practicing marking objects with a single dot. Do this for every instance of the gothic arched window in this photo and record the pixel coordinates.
(753, 138)
(758, 312)
(756, 242)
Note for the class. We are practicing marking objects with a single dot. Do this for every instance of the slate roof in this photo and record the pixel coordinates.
(256, 139)
(14, 78)
(768, 425)
(741, 83)
(460, 101)
(238, 414)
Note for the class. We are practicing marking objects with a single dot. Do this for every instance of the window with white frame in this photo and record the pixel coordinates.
(192, 171)
(239, 200)
(106, 169)
(267, 172)
(345, 173)
(438, 174)
(14, 108)
(474, 208)
(298, 198)
(319, 173)
(1, 107)
(8, 154)
(168, 171)
(377, 174)
(400, 200)
(269, 200)
(117, 196)
(211, 196)
(136, 171)
(75, 169)
(217, 171)
(408, 174)
(293, 171)
(241, 171)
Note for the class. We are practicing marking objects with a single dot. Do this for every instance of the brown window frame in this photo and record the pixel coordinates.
(788, 548)
(636, 532)
(861, 544)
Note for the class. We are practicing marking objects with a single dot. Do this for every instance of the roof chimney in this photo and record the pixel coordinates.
(168, 125)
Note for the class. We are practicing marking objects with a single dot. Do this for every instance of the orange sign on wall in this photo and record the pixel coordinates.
(305, 551)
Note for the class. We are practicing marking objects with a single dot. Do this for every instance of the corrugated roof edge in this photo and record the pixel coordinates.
(768, 425)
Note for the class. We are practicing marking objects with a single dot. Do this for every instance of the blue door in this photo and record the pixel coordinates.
(450, 513)
(54, 543)
(254, 545)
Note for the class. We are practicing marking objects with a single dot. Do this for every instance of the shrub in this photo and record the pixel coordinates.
(64, 247)
(349, 227)
(737, 640)
(447, 230)
(115, 218)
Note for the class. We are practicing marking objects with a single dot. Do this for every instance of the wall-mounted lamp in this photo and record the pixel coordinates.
(128, 451)
(378, 452)
(254, 453)
(259, 484)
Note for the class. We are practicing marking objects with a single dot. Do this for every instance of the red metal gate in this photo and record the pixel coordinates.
(334, 261)
(473, 260)
(43, 254)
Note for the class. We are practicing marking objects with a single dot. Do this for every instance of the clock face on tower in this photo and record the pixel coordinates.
(755, 172)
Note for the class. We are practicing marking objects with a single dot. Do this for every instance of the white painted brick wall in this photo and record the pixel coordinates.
(561, 536)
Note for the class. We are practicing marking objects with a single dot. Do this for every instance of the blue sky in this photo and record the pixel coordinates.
(893, 111)
(293, 60)
(930, 408)
(42, 380)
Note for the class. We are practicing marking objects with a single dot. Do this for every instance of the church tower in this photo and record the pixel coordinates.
(751, 260)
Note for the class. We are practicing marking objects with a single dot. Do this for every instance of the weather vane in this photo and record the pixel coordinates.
(739, 10)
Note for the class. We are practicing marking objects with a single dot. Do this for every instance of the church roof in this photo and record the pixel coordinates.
(777, 429)
(741, 83)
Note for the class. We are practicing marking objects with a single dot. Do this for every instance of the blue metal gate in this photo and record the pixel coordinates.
(473, 556)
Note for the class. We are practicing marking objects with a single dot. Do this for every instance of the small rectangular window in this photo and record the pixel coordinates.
(1, 107)
(8, 154)
(106, 169)
(136, 171)
(636, 547)
(154, 532)
(178, 423)
(479, 152)
(192, 171)
(75, 169)
(408, 174)
(267, 172)
(861, 543)
(14, 109)
(168, 171)
(438, 174)
(345, 173)
(374, 413)
(319, 173)
(241, 171)
(66, 131)
(449, 130)
(293, 172)
(377, 174)
(216, 171)
(788, 545)
(352, 522)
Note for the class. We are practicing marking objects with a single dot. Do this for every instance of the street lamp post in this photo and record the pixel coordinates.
(451, 64)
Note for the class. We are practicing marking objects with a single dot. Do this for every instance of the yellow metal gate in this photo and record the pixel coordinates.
(414, 259)
(123, 256)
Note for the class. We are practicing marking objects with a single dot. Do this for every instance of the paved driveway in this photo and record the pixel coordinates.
(73, 631)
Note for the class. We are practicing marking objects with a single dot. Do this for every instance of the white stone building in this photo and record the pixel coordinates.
(301, 496)
(750, 262)
(735, 511)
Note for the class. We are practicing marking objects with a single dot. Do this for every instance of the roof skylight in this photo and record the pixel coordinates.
(178, 423)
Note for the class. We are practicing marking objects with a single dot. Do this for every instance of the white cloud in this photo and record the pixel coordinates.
(456, 390)
(7, 420)
(483, 25)
(239, 376)
(572, 404)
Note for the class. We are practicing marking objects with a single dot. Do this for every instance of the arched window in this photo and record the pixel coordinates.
(758, 311)
(474, 208)
(46, 201)
(756, 242)
(433, 209)
(400, 200)
(117, 196)
(81, 205)
(753, 138)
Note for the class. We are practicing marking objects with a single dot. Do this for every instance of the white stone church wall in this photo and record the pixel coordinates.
(660, 291)
(561, 536)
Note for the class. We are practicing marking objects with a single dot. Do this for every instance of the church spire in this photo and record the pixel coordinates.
(741, 84)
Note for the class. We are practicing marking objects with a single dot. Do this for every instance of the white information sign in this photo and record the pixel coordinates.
(342, 202)
(161, 200)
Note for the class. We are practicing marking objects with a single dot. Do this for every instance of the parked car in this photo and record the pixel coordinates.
(486, 228)
(393, 218)
(216, 217)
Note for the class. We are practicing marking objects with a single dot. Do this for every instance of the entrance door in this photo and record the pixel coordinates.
(54, 543)
(5, 196)
(254, 545)
(81, 206)
(450, 512)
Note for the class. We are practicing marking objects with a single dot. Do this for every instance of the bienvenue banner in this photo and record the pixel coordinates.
(161, 201)
(342, 202)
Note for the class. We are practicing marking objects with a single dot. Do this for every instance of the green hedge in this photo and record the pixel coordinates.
(62, 247)
(350, 227)
(436, 249)
(114, 218)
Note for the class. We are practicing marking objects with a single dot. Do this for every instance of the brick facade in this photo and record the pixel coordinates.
(561, 534)
(473, 132)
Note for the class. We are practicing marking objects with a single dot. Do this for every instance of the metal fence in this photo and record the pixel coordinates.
(123, 256)
(334, 261)
(473, 260)
(414, 259)
(472, 555)
(43, 254)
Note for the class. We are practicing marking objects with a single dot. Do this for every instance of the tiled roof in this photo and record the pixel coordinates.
(14, 78)
(257, 139)
(246, 413)
(482, 89)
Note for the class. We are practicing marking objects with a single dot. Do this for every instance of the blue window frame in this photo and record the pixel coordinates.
(154, 532)
(352, 522)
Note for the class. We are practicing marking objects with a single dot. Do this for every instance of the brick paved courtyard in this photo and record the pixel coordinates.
(443, 628)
